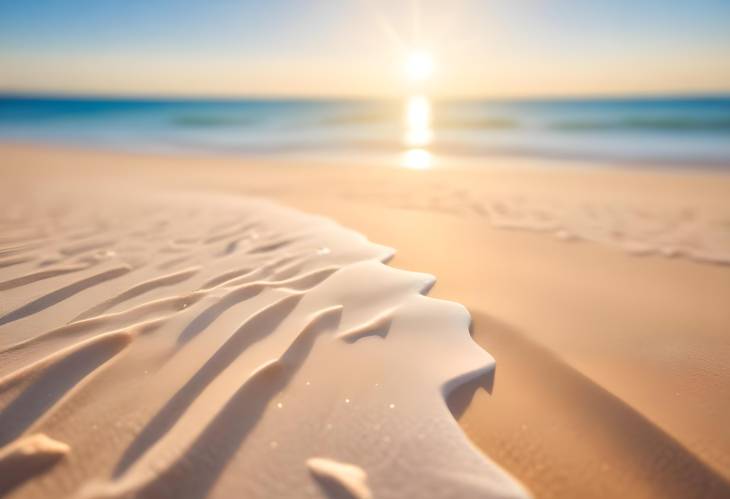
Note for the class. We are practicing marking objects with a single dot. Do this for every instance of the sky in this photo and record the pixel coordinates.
(344, 48)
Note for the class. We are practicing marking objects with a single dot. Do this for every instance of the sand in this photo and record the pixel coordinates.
(600, 291)
(219, 346)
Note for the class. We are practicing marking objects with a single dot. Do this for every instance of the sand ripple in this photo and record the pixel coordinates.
(183, 345)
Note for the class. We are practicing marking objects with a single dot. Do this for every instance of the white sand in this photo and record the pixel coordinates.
(189, 345)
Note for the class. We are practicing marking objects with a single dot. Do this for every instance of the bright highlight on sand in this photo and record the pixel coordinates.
(417, 159)
(419, 66)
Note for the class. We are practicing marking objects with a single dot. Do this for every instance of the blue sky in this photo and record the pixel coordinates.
(357, 47)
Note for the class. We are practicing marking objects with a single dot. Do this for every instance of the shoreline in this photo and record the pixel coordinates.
(629, 403)
(446, 157)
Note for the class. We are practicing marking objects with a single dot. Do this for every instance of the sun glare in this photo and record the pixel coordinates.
(418, 133)
(418, 121)
(416, 159)
(419, 66)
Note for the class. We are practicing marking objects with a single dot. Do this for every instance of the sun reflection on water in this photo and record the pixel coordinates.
(418, 121)
(418, 133)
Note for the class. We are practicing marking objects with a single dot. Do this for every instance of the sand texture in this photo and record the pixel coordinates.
(188, 345)
(601, 291)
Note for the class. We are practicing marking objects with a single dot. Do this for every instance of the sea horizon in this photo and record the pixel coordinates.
(644, 129)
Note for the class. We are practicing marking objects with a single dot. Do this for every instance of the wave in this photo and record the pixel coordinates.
(677, 123)
(484, 123)
(648, 123)
(211, 121)
(489, 122)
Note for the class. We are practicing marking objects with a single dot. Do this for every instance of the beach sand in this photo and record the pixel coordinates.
(601, 291)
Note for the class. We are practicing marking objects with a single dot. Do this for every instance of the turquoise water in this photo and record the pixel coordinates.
(658, 130)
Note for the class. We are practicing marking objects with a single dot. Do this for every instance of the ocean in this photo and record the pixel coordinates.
(415, 131)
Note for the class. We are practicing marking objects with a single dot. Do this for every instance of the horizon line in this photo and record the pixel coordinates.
(171, 97)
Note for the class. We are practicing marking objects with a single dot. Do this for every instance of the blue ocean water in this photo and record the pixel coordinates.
(661, 131)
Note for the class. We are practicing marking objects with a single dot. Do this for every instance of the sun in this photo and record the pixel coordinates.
(419, 66)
